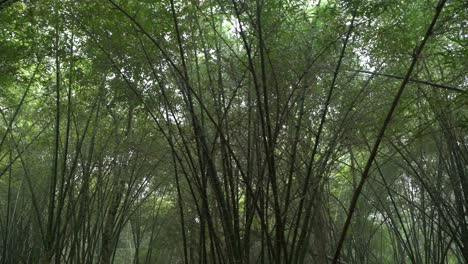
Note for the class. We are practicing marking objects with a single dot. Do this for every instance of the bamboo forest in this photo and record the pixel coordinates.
(234, 131)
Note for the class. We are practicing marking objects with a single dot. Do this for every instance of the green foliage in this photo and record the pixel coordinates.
(231, 131)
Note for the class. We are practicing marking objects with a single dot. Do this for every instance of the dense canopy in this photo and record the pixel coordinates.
(239, 131)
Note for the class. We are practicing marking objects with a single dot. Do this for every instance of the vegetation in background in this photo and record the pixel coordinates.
(256, 131)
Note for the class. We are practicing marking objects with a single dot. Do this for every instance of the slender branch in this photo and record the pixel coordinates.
(437, 85)
(373, 154)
